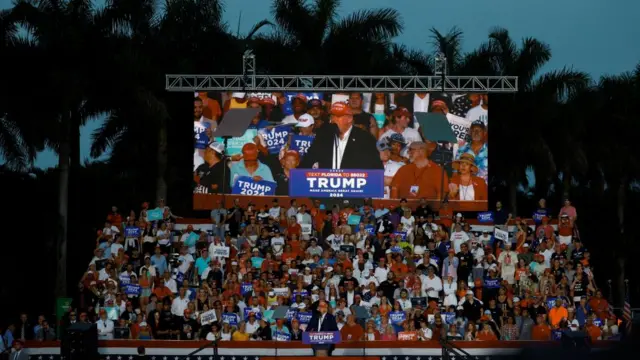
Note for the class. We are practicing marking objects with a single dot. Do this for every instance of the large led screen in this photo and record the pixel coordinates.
(366, 145)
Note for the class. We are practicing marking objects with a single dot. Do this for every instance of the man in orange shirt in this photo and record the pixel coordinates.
(557, 313)
(541, 331)
(421, 178)
(599, 305)
(352, 331)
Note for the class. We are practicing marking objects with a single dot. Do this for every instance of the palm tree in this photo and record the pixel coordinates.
(311, 38)
(614, 125)
(65, 34)
(523, 144)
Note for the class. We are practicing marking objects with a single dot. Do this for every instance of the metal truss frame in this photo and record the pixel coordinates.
(337, 83)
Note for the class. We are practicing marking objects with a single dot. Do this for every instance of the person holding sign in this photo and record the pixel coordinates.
(250, 166)
(340, 145)
(465, 186)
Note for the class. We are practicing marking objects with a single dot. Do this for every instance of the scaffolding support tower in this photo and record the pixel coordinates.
(249, 81)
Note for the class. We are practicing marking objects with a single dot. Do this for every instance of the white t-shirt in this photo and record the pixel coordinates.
(186, 261)
(478, 113)
(289, 119)
(197, 160)
(390, 169)
(407, 223)
(458, 238)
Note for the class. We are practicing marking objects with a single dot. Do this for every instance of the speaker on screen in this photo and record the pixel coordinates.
(80, 341)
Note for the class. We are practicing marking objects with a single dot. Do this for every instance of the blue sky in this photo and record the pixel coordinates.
(590, 35)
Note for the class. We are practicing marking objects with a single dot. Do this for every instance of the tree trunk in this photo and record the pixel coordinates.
(621, 256)
(161, 183)
(63, 207)
(513, 194)
(566, 182)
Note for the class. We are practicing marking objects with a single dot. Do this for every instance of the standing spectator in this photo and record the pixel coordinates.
(19, 353)
(105, 326)
(24, 330)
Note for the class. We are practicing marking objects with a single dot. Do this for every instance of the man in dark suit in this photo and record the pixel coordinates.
(340, 145)
(322, 321)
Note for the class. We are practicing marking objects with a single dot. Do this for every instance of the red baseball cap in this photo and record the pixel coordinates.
(401, 111)
(340, 109)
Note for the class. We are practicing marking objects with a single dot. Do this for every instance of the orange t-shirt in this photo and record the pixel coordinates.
(446, 217)
(427, 180)
(399, 268)
(600, 307)
(541, 333)
(115, 219)
(162, 292)
(556, 314)
(351, 333)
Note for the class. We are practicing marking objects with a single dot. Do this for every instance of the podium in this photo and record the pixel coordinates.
(322, 342)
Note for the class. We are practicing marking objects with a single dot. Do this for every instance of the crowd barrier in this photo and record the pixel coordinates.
(209, 201)
(260, 350)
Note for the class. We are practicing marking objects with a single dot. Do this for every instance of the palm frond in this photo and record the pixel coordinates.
(505, 49)
(325, 12)
(560, 85)
(12, 147)
(370, 25)
(256, 27)
(450, 44)
(531, 58)
(107, 134)
(292, 16)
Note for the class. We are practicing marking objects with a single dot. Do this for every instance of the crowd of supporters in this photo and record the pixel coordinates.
(391, 273)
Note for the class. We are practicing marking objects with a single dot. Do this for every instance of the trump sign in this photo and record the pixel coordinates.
(336, 183)
(321, 337)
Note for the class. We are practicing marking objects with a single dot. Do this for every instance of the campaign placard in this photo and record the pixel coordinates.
(208, 317)
(245, 185)
(485, 217)
(275, 138)
(235, 144)
(336, 183)
(301, 144)
(321, 337)
(287, 106)
(397, 317)
(282, 336)
(501, 234)
(231, 318)
(221, 251)
(304, 317)
(132, 232)
(154, 214)
(132, 289)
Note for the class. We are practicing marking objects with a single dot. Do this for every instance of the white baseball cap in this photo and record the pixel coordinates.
(305, 120)
(217, 147)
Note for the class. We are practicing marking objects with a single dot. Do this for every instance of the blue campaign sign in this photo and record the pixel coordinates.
(231, 318)
(402, 234)
(301, 144)
(449, 318)
(492, 283)
(154, 215)
(291, 314)
(370, 229)
(287, 107)
(256, 311)
(245, 185)
(246, 288)
(282, 336)
(485, 217)
(321, 337)
(200, 134)
(276, 137)
(304, 317)
(397, 317)
(132, 289)
(539, 214)
(132, 232)
(235, 144)
(336, 183)
(125, 278)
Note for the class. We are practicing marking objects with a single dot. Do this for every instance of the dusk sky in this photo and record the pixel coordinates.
(599, 37)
